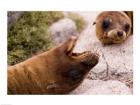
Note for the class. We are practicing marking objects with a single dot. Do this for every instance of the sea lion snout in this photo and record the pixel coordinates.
(90, 59)
(116, 35)
(120, 33)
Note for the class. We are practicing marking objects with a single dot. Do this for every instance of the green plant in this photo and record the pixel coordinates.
(79, 21)
(30, 35)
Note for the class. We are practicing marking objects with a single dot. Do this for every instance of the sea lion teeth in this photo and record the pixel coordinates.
(57, 71)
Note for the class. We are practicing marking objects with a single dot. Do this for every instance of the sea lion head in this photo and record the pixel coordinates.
(70, 68)
(113, 27)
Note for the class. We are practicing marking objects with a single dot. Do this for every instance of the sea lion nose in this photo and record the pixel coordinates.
(91, 60)
(120, 33)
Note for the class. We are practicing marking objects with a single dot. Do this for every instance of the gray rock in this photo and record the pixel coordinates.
(94, 87)
(117, 58)
(13, 16)
(63, 30)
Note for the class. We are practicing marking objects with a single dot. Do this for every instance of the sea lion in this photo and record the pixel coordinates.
(130, 15)
(113, 27)
(57, 71)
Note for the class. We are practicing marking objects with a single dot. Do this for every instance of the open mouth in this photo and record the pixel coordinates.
(86, 57)
(117, 39)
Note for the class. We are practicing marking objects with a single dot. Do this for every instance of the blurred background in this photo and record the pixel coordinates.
(33, 32)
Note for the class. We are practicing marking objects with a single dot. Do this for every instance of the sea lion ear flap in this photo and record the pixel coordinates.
(70, 45)
(94, 23)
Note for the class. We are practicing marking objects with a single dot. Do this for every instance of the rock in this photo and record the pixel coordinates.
(116, 58)
(13, 16)
(94, 87)
(119, 57)
(63, 30)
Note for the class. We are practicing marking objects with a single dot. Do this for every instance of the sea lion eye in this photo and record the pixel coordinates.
(106, 23)
(126, 27)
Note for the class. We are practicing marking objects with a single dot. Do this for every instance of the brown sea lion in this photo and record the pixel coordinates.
(114, 27)
(130, 15)
(57, 71)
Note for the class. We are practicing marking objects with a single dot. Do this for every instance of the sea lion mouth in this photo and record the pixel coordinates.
(87, 57)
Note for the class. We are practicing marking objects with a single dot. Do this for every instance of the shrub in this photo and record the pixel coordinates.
(79, 21)
(29, 35)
